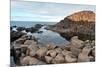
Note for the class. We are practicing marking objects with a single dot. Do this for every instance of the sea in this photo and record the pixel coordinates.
(47, 36)
(29, 23)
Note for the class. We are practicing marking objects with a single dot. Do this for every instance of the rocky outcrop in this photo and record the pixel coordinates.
(28, 52)
(81, 24)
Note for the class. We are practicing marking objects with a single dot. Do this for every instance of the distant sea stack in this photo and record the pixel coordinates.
(81, 24)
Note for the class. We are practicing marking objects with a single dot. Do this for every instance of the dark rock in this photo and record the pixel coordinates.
(38, 26)
(15, 35)
(31, 29)
(20, 28)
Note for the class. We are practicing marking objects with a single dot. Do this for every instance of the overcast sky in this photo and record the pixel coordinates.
(47, 12)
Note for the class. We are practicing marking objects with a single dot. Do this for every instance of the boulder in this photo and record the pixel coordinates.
(41, 52)
(29, 61)
(58, 50)
(48, 59)
(51, 46)
(33, 61)
(83, 58)
(65, 52)
(86, 51)
(29, 42)
(20, 40)
(52, 53)
(58, 59)
(75, 51)
(76, 43)
(32, 53)
(69, 59)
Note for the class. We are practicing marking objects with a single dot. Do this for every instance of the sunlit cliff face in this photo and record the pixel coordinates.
(83, 16)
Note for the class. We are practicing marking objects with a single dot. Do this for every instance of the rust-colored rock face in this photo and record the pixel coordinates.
(88, 16)
(81, 24)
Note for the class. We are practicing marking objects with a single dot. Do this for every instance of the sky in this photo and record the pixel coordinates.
(44, 12)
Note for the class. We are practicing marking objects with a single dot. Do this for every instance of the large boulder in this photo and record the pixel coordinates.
(48, 59)
(76, 43)
(52, 53)
(29, 61)
(58, 59)
(29, 42)
(41, 52)
(69, 59)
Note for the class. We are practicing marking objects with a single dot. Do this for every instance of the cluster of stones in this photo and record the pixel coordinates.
(26, 51)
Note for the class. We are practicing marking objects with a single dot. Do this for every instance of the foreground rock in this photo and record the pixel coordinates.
(26, 51)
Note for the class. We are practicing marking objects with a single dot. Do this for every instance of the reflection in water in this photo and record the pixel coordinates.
(48, 36)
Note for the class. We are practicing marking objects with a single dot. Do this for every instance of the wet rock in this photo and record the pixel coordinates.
(41, 52)
(69, 59)
(14, 35)
(38, 26)
(20, 28)
(31, 29)
(58, 59)
(48, 59)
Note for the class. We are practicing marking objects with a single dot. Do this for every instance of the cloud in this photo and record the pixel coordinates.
(28, 10)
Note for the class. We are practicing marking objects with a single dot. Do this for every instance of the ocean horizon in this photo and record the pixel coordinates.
(29, 23)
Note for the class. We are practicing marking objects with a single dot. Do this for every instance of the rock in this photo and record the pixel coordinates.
(29, 61)
(52, 53)
(65, 52)
(86, 51)
(29, 42)
(41, 52)
(31, 29)
(51, 46)
(83, 58)
(58, 59)
(48, 59)
(23, 50)
(33, 47)
(58, 50)
(38, 26)
(93, 52)
(81, 24)
(75, 51)
(20, 41)
(33, 61)
(20, 28)
(32, 53)
(25, 60)
(69, 59)
(14, 35)
(76, 43)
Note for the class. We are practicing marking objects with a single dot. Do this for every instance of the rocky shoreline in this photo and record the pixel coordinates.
(81, 24)
(26, 51)
(78, 29)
